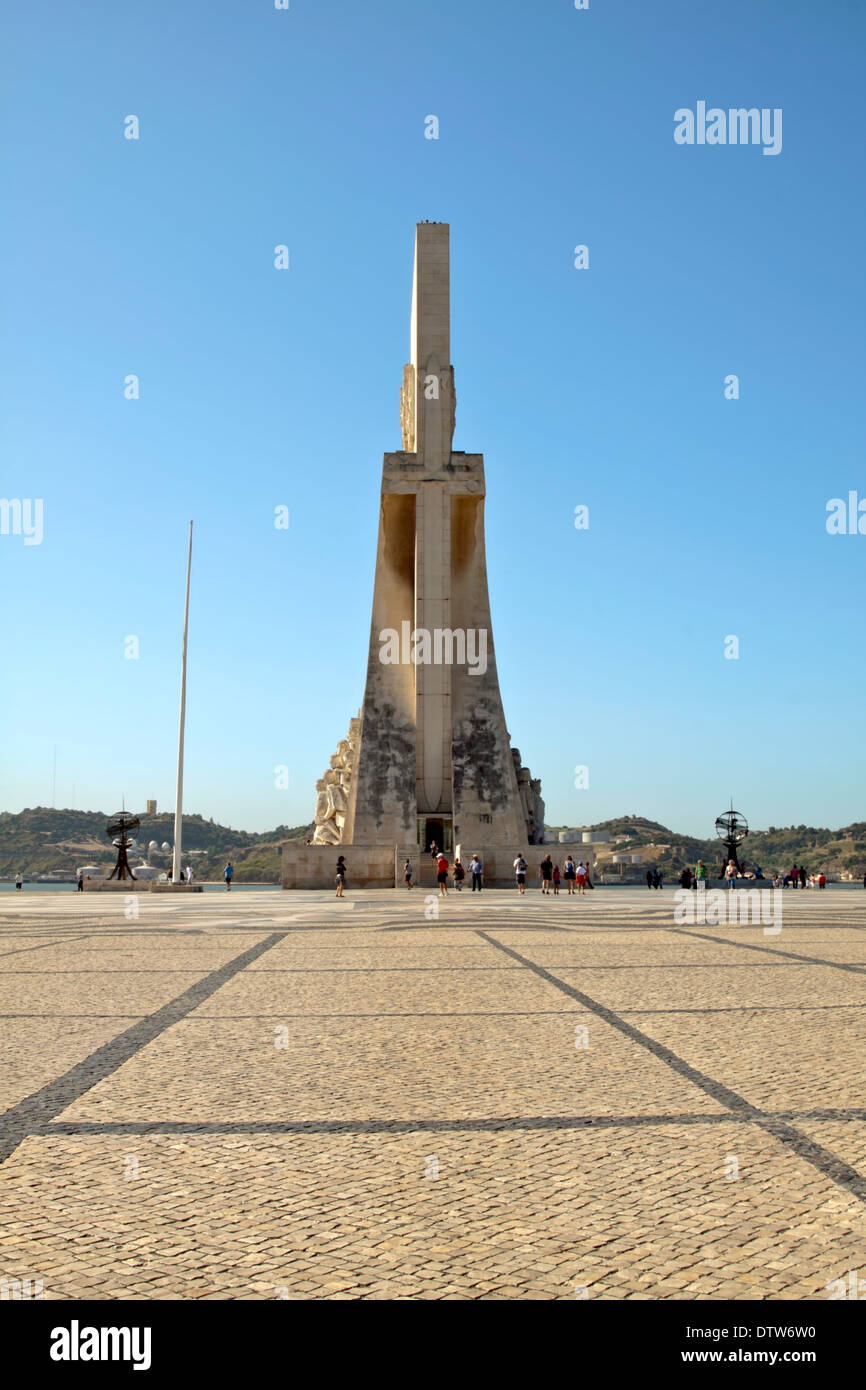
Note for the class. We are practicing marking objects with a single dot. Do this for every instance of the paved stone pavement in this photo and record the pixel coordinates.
(272, 1095)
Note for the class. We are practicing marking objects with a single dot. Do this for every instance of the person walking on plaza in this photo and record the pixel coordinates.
(731, 873)
(228, 874)
(701, 874)
(476, 870)
(340, 876)
(822, 880)
(19, 881)
(459, 875)
(686, 877)
(570, 874)
(802, 876)
(188, 873)
(80, 881)
(556, 878)
(545, 869)
(520, 873)
(581, 876)
(794, 876)
(407, 874)
(649, 878)
(442, 875)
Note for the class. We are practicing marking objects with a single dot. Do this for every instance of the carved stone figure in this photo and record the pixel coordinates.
(530, 800)
(334, 788)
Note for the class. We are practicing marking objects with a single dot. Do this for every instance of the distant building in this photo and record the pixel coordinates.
(583, 837)
(151, 808)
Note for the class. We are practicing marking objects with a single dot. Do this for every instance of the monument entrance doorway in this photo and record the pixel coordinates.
(435, 830)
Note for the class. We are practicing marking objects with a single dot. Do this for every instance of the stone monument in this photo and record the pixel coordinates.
(428, 759)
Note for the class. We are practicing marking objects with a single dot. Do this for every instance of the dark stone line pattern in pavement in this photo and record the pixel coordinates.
(772, 951)
(287, 970)
(73, 1128)
(826, 1162)
(44, 945)
(31, 1112)
(464, 969)
(304, 1174)
(487, 1013)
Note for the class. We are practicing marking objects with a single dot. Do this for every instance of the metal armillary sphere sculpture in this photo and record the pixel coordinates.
(732, 829)
(119, 830)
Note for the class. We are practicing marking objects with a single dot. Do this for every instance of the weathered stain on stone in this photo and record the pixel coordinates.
(474, 757)
(389, 762)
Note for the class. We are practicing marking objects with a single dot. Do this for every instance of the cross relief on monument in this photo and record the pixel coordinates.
(430, 745)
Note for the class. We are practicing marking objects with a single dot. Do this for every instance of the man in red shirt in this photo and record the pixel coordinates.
(442, 875)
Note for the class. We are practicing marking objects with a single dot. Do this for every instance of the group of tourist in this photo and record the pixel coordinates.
(458, 872)
(576, 875)
(799, 877)
(734, 876)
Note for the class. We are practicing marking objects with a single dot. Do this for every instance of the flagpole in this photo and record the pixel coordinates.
(178, 801)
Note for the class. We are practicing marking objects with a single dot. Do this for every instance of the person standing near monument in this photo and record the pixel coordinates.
(228, 874)
(520, 873)
(545, 869)
(407, 874)
(570, 874)
(442, 875)
(731, 873)
(476, 869)
(341, 876)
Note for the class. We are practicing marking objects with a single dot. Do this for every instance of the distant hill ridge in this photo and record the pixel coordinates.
(837, 852)
(42, 840)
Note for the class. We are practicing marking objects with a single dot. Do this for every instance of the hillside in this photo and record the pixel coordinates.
(42, 841)
(837, 853)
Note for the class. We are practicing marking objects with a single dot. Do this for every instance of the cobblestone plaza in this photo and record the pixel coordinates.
(263, 1095)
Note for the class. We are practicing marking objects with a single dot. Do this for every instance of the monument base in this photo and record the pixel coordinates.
(367, 866)
(115, 885)
(157, 887)
(376, 866)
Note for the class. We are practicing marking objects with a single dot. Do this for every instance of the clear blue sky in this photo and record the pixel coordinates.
(603, 387)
